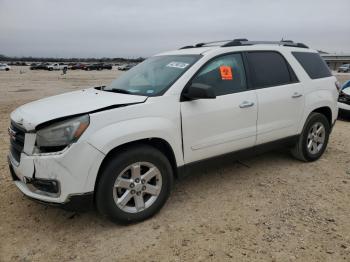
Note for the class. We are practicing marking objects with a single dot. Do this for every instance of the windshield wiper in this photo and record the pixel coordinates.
(118, 90)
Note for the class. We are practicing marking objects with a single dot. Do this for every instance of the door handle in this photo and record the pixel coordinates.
(246, 104)
(296, 95)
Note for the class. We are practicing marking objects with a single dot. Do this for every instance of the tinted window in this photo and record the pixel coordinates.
(313, 64)
(269, 69)
(225, 74)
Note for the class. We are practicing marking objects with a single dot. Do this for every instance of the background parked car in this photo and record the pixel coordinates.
(344, 98)
(107, 66)
(56, 66)
(35, 66)
(99, 66)
(78, 66)
(17, 63)
(70, 65)
(93, 67)
(125, 67)
(344, 68)
(4, 67)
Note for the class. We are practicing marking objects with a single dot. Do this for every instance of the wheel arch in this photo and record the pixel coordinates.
(326, 111)
(158, 143)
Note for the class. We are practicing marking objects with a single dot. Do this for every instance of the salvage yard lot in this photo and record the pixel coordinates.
(269, 207)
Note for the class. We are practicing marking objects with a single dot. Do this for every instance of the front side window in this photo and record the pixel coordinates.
(269, 69)
(153, 76)
(225, 74)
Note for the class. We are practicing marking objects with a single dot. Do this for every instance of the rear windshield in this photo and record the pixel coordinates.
(313, 64)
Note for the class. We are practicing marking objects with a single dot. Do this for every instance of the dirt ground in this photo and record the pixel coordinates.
(268, 207)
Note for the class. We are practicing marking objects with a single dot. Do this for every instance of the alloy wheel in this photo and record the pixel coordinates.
(137, 187)
(316, 138)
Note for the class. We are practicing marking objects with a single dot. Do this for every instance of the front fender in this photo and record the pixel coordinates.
(116, 134)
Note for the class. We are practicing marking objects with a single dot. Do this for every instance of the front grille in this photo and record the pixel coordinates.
(344, 98)
(17, 134)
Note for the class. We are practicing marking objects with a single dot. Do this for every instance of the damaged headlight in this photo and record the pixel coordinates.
(57, 136)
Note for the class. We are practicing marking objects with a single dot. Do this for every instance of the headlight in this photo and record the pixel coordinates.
(59, 135)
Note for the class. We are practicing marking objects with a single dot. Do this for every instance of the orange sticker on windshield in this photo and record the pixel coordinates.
(226, 73)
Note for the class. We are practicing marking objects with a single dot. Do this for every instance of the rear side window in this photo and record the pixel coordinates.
(313, 64)
(269, 68)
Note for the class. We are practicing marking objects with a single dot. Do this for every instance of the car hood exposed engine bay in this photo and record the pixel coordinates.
(69, 104)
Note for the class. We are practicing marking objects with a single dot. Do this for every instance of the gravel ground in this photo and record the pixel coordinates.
(268, 207)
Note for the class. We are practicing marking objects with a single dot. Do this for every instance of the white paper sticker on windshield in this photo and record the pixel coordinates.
(177, 65)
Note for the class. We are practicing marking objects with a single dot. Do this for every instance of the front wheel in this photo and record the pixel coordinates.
(314, 139)
(134, 184)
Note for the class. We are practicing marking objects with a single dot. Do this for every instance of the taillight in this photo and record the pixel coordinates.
(338, 86)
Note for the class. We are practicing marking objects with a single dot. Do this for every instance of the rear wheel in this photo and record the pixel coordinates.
(134, 184)
(314, 139)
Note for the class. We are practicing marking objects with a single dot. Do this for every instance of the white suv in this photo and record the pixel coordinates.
(121, 146)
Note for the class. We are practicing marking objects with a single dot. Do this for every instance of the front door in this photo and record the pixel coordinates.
(227, 123)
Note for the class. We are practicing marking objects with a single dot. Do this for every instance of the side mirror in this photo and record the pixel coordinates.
(199, 91)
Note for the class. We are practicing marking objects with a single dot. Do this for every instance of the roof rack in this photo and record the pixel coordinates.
(244, 41)
(204, 44)
(241, 42)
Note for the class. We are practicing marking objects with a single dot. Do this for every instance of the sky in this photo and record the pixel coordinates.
(114, 28)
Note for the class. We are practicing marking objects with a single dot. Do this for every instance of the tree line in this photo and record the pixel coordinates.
(68, 60)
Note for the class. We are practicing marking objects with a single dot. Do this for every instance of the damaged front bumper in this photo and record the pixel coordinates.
(74, 202)
(65, 179)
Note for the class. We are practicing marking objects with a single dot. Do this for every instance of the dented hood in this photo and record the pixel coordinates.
(78, 102)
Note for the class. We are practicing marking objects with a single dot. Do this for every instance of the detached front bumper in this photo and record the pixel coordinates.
(65, 179)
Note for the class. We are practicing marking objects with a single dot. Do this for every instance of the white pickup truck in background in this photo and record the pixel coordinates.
(56, 66)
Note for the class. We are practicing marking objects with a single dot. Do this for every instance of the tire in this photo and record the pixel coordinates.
(7, 69)
(317, 140)
(107, 195)
(50, 69)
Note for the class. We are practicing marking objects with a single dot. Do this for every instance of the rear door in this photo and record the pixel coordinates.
(280, 95)
(227, 123)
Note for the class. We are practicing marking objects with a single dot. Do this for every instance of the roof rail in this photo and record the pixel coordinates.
(244, 41)
(240, 42)
(186, 47)
(204, 44)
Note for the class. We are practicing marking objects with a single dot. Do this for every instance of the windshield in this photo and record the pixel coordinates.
(153, 76)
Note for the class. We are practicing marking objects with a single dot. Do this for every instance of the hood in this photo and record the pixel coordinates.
(346, 90)
(78, 102)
